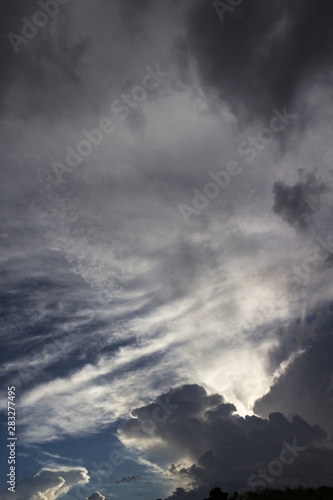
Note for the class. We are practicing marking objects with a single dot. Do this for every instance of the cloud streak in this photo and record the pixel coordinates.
(109, 299)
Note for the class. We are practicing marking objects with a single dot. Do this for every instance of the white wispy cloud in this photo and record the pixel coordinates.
(49, 484)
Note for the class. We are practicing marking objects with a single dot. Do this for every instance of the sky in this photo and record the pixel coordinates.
(166, 247)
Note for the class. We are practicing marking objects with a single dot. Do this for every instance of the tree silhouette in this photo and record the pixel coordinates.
(217, 494)
(300, 493)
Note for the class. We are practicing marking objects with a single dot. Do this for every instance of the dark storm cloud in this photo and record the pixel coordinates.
(132, 13)
(96, 496)
(300, 334)
(227, 449)
(306, 387)
(195, 494)
(10, 20)
(114, 293)
(261, 54)
(45, 74)
(297, 204)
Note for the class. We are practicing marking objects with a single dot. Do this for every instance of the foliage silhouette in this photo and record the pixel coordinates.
(321, 493)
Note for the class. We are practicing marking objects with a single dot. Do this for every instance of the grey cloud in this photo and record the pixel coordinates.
(306, 387)
(128, 479)
(49, 67)
(118, 229)
(300, 334)
(195, 494)
(226, 448)
(96, 496)
(132, 14)
(262, 53)
(186, 402)
(297, 204)
(10, 21)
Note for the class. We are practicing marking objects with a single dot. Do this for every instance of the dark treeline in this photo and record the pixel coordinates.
(322, 493)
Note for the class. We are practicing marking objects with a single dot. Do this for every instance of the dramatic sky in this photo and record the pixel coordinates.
(166, 246)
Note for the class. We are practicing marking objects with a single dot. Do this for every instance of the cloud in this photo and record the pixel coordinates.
(183, 304)
(96, 496)
(297, 204)
(306, 386)
(195, 494)
(133, 14)
(49, 484)
(50, 63)
(128, 479)
(213, 446)
(262, 54)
